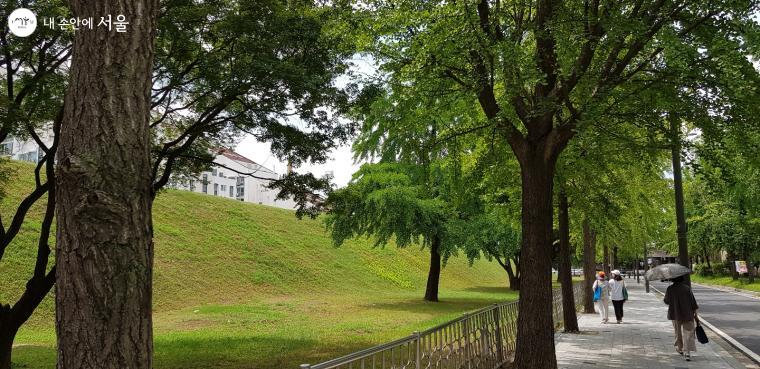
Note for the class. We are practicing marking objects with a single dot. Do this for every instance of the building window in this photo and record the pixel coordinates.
(205, 183)
(232, 188)
(6, 148)
(213, 172)
(216, 189)
(240, 192)
(224, 188)
(29, 156)
(221, 174)
(192, 185)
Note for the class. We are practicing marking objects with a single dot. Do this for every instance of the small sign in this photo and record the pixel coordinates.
(22, 22)
(741, 266)
(649, 261)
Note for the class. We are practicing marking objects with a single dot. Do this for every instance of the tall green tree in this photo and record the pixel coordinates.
(265, 68)
(390, 201)
(490, 191)
(104, 248)
(205, 93)
(722, 198)
(35, 73)
(539, 72)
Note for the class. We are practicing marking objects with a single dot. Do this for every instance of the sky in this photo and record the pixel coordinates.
(341, 162)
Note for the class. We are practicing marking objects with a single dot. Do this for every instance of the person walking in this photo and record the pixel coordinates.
(682, 311)
(617, 294)
(603, 300)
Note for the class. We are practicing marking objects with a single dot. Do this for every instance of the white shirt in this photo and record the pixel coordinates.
(616, 290)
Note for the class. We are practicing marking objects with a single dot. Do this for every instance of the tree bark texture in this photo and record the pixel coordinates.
(606, 257)
(105, 251)
(683, 247)
(568, 300)
(434, 274)
(535, 338)
(589, 266)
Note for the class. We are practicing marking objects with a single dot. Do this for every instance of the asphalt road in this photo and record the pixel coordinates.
(736, 315)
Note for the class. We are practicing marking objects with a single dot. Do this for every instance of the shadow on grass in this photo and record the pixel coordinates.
(185, 351)
(493, 290)
(444, 306)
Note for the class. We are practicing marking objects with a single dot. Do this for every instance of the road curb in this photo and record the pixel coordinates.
(743, 349)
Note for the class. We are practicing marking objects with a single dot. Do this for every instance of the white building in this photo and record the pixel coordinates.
(17, 148)
(237, 177)
(245, 180)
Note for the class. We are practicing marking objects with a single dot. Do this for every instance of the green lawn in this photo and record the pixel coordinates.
(247, 286)
(741, 283)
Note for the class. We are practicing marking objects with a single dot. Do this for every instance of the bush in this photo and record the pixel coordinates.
(702, 270)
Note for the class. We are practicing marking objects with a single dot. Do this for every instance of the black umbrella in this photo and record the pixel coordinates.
(667, 271)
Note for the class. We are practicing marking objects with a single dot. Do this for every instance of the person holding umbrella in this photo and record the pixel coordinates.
(682, 306)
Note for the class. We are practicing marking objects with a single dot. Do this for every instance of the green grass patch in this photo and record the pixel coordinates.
(240, 285)
(741, 283)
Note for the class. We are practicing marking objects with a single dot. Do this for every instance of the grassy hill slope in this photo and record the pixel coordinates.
(239, 285)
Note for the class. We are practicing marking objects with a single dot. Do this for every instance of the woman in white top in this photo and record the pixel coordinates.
(617, 284)
(603, 304)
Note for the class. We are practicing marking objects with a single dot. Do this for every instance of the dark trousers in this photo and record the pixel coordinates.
(618, 309)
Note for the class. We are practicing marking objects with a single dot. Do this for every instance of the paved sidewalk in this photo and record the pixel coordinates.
(644, 340)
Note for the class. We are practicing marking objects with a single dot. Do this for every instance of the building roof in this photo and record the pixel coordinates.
(235, 156)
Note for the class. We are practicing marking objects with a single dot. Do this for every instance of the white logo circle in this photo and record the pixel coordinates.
(22, 22)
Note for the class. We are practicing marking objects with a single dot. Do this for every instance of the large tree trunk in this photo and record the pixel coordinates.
(589, 267)
(683, 247)
(568, 300)
(434, 274)
(105, 249)
(535, 330)
(514, 275)
(606, 257)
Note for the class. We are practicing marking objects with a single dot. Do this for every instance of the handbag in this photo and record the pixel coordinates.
(597, 293)
(625, 294)
(701, 336)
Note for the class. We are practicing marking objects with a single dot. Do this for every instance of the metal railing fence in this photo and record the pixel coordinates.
(483, 339)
